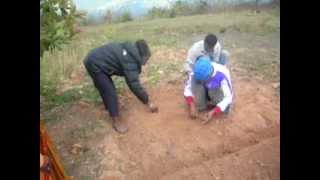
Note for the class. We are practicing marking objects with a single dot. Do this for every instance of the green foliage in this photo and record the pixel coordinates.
(53, 100)
(202, 7)
(57, 20)
(119, 83)
(157, 12)
(182, 8)
(126, 16)
(153, 74)
(56, 67)
(179, 8)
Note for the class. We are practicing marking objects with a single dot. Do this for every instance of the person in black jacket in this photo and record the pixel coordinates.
(121, 59)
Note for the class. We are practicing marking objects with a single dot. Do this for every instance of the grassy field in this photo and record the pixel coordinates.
(75, 115)
(64, 80)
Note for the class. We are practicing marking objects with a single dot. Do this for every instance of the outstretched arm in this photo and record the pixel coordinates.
(133, 81)
(189, 97)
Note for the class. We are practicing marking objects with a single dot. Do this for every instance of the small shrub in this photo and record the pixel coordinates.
(126, 16)
(57, 20)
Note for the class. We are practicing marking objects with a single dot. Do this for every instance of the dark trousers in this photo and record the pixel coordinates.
(107, 90)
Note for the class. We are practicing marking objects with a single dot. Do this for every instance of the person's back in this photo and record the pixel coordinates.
(121, 59)
(114, 58)
(224, 70)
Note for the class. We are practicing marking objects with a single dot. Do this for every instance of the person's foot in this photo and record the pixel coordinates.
(119, 125)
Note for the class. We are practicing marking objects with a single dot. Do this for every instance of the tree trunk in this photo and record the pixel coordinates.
(257, 6)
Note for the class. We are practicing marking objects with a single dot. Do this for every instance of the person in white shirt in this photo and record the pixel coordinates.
(209, 46)
(209, 88)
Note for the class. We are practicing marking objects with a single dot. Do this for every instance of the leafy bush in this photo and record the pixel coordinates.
(202, 7)
(182, 8)
(57, 20)
(157, 12)
(126, 16)
(179, 8)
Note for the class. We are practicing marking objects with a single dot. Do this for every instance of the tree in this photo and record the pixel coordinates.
(108, 17)
(257, 6)
(57, 23)
(202, 7)
(126, 16)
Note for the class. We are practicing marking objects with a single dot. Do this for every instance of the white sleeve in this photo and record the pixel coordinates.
(187, 89)
(193, 53)
(227, 96)
(217, 52)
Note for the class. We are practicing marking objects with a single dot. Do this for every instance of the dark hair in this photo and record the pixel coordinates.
(143, 48)
(211, 40)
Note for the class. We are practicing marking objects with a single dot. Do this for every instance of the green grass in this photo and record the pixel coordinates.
(57, 66)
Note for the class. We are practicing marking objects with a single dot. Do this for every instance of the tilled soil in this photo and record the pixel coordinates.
(169, 145)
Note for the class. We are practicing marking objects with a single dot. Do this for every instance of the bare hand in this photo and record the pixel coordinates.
(208, 117)
(153, 108)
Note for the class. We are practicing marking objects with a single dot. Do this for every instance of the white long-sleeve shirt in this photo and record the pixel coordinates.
(225, 85)
(196, 50)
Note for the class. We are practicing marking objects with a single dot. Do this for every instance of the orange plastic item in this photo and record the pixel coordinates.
(47, 148)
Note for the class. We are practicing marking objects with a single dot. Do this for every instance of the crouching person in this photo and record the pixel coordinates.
(120, 59)
(208, 88)
(211, 47)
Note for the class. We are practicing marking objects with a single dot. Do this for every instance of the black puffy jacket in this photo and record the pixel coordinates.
(120, 59)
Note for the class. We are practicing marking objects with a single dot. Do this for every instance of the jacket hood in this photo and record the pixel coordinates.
(132, 50)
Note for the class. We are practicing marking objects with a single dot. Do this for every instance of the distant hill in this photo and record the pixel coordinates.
(98, 8)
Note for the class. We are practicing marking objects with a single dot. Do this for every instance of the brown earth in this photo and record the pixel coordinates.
(169, 145)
